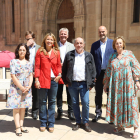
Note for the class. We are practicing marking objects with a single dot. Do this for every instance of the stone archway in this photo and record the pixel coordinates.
(47, 14)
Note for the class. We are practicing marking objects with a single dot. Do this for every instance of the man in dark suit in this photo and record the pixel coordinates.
(101, 51)
(64, 47)
(33, 47)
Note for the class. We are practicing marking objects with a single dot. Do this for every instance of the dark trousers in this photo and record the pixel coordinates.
(35, 105)
(59, 99)
(99, 93)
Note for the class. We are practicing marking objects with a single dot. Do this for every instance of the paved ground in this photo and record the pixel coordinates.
(100, 131)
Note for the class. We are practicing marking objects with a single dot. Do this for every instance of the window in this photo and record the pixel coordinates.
(136, 11)
(13, 17)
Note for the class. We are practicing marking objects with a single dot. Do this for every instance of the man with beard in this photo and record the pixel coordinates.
(33, 47)
(101, 51)
(64, 47)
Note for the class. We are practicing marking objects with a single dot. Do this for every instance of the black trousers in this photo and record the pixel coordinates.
(99, 93)
(35, 99)
(59, 99)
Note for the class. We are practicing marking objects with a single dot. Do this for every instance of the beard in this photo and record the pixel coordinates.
(103, 37)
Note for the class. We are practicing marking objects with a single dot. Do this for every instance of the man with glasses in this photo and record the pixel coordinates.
(33, 47)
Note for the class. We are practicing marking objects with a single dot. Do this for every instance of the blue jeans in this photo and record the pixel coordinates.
(51, 94)
(75, 89)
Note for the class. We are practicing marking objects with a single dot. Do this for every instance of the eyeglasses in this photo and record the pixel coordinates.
(28, 39)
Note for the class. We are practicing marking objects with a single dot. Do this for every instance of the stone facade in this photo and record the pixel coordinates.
(42, 16)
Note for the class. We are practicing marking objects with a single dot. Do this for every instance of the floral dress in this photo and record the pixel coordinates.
(17, 99)
(122, 103)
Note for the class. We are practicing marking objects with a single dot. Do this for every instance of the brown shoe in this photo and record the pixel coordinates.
(51, 129)
(87, 128)
(76, 126)
(42, 129)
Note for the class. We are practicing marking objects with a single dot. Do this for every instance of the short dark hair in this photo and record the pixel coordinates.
(27, 51)
(30, 33)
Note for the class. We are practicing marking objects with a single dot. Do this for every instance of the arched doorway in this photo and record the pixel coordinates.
(65, 18)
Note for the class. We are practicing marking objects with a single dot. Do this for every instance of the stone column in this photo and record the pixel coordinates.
(106, 14)
(79, 25)
(38, 27)
(4, 22)
(26, 15)
(113, 8)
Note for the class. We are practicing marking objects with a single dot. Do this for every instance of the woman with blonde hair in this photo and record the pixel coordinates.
(122, 79)
(47, 75)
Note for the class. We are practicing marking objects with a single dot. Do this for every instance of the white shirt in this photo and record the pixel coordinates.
(79, 67)
(52, 74)
(103, 48)
(32, 54)
(62, 50)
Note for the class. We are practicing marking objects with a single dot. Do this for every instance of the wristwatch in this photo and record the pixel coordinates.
(59, 75)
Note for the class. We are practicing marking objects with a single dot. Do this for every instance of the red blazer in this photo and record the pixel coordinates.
(43, 65)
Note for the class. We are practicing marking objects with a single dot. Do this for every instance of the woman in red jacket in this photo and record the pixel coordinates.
(47, 75)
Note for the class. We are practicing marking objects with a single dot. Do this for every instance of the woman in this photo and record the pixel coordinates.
(122, 78)
(47, 75)
(20, 96)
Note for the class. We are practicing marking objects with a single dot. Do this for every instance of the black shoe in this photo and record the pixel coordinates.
(26, 112)
(76, 126)
(111, 123)
(58, 116)
(71, 116)
(96, 118)
(87, 128)
(34, 115)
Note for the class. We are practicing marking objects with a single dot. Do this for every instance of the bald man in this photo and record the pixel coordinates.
(78, 73)
(101, 51)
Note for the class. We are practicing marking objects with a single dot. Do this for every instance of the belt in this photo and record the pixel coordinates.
(79, 81)
(103, 70)
(52, 78)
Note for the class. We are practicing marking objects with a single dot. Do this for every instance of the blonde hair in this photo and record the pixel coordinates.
(43, 45)
(119, 37)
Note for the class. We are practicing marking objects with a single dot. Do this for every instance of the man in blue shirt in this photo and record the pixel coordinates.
(33, 47)
(101, 51)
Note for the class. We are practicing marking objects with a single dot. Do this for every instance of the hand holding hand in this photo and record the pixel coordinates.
(26, 89)
(23, 89)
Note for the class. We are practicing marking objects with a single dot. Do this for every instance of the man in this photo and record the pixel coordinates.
(78, 73)
(101, 50)
(64, 47)
(33, 47)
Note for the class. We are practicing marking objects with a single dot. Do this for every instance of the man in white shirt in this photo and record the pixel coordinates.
(64, 47)
(101, 51)
(78, 73)
(33, 47)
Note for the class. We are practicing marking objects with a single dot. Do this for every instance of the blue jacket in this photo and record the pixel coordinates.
(97, 55)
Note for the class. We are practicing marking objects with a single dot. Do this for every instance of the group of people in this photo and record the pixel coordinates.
(45, 70)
